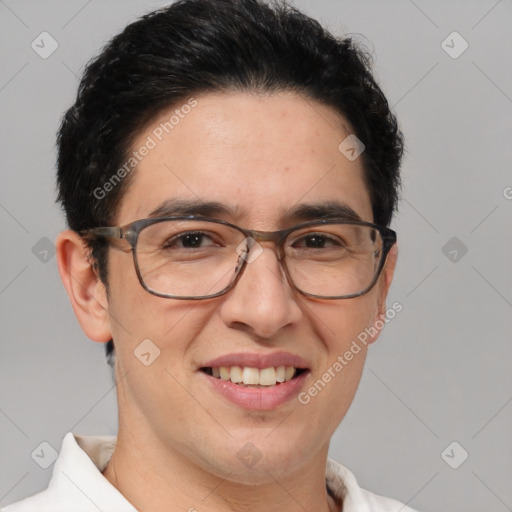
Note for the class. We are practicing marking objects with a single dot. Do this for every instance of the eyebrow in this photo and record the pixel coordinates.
(322, 210)
(197, 207)
(303, 212)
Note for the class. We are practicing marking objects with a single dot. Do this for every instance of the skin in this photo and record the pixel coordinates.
(178, 439)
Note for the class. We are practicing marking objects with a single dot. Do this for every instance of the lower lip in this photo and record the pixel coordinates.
(258, 399)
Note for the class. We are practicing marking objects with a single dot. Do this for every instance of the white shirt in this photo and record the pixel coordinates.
(77, 484)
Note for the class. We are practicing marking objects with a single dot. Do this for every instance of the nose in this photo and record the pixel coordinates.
(262, 302)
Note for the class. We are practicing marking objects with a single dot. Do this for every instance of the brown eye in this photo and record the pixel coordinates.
(317, 241)
(190, 240)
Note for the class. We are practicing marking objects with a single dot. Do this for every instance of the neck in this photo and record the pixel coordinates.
(169, 478)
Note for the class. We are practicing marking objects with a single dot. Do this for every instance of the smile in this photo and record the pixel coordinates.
(256, 381)
(253, 377)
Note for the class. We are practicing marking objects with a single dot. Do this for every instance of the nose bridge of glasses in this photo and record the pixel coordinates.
(273, 241)
(266, 236)
(263, 237)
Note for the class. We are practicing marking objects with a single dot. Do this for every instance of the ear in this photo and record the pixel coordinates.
(84, 287)
(384, 283)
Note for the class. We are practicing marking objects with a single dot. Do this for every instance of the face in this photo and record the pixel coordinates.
(260, 157)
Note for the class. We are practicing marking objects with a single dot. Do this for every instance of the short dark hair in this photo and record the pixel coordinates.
(200, 46)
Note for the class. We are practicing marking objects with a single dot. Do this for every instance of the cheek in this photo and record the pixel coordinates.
(340, 322)
(341, 325)
(136, 315)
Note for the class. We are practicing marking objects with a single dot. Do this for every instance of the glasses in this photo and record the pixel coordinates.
(189, 257)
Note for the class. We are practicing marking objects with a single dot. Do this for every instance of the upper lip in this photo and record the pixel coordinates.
(259, 361)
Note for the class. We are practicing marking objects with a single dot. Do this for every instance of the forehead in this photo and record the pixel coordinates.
(259, 155)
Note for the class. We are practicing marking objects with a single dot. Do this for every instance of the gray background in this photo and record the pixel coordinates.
(441, 370)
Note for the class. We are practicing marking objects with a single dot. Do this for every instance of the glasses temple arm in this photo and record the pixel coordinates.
(109, 232)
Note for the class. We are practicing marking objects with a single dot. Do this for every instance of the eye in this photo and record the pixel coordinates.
(318, 241)
(189, 240)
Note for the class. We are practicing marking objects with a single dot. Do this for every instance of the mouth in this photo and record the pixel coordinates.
(253, 381)
(250, 377)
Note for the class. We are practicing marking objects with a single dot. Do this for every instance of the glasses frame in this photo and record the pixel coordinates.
(130, 232)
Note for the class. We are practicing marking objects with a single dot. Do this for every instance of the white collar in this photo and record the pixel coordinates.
(78, 485)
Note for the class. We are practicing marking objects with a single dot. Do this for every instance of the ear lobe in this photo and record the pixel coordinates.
(384, 284)
(84, 288)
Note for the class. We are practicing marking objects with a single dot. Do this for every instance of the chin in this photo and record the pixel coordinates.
(259, 457)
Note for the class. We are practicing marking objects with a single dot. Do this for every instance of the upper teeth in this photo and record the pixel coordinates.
(247, 375)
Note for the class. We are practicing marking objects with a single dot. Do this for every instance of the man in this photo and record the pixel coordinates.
(228, 171)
